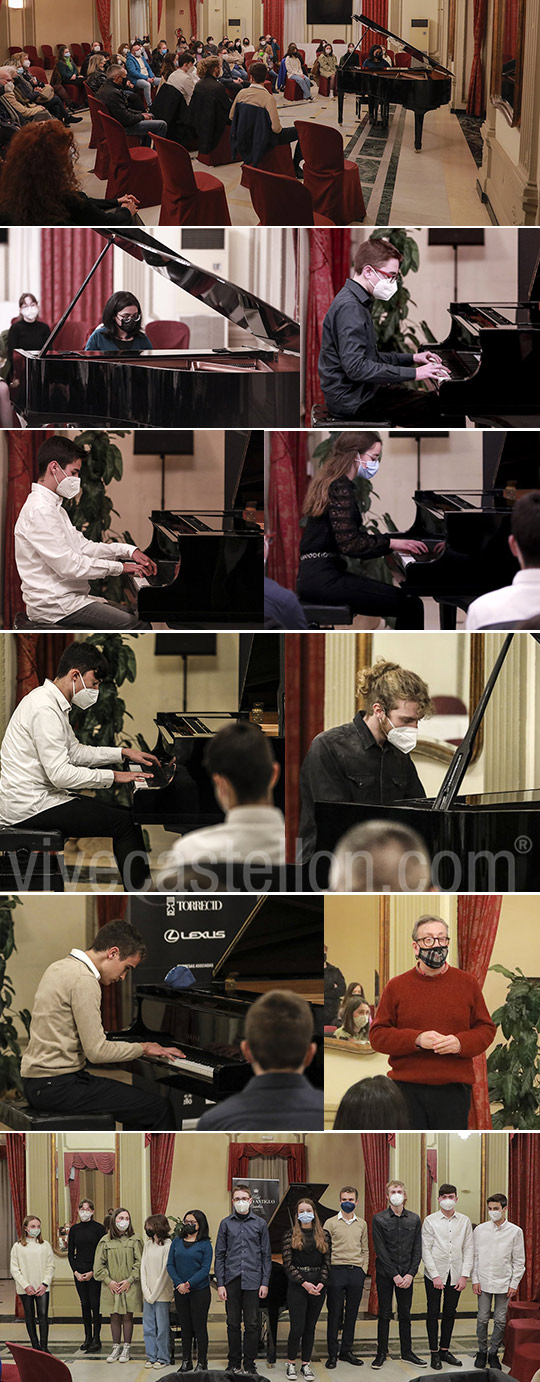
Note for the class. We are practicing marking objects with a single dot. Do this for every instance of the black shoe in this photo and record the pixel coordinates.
(83, 1348)
(95, 1346)
(331, 1363)
(75, 119)
(413, 1358)
(251, 1369)
(350, 1358)
(480, 1360)
(202, 1365)
(379, 1361)
(186, 1365)
(493, 1362)
(448, 1357)
(435, 1361)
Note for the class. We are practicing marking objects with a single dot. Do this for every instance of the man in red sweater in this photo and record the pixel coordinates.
(431, 1021)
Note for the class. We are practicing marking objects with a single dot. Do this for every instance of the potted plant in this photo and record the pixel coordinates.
(10, 1051)
(91, 512)
(514, 1066)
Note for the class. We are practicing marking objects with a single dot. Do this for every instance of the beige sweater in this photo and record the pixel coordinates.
(31, 1264)
(66, 1029)
(350, 1246)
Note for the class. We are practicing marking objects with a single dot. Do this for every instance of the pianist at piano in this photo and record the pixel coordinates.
(120, 328)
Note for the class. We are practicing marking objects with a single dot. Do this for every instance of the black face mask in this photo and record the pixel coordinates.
(149, 1232)
(434, 959)
(131, 327)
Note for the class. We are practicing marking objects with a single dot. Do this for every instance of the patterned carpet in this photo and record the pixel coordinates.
(377, 150)
(471, 126)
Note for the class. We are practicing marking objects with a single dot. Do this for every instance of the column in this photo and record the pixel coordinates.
(530, 110)
(340, 679)
(135, 1177)
(497, 1168)
(404, 911)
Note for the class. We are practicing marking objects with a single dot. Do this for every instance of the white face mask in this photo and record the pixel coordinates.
(447, 1203)
(26, 62)
(87, 697)
(403, 738)
(33, 1232)
(495, 1214)
(69, 487)
(397, 1197)
(85, 1215)
(29, 314)
(8, 86)
(384, 288)
(122, 1225)
(367, 468)
(241, 1206)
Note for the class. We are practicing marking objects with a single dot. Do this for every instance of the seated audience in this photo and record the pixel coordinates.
(241, 764)
(279, 1047)
(355, 1020)
(272, 43)
(140, 72)
(351, 58)
(65, 70)
(380, 856)
(247, 46)
(296, 69)
(121, 328)
(233, 72)
(158, 57)
(210, 105)
(30, 90)
(96, 74)
(21, 110)
(117, 102)
(167, 67)
(95, 50)
(353, 990)
(61, 201)
(326, 66)
(256, 94)
(520, 600)
(27, 332)
(372, 1103)
(282, 608)
(184, 78)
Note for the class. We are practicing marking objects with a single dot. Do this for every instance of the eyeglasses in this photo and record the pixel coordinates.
(427, 942)
(383, 274)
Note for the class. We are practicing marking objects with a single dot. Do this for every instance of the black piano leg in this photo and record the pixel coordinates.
(340, 107)
(447, 616)
(418, 130)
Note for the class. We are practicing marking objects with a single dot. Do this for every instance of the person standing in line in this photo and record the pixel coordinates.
(190, 1259)
(32, 1268)
(397, 1240)
(243, 1262)
(118, 1264)
(83, 1239)
(157, 1291)
(447, 1253)
(499, 1264)
(306, 1261)
(350, 1257)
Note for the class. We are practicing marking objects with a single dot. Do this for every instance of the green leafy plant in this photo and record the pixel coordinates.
(10, 1051)
(390, 319)
(91, 513)
(376, 568)
(514, 1067)
(103, 723)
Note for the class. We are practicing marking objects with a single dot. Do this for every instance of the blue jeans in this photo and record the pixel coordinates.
(156, 1331)
(147, 127)
(303, 83)
(146, 84)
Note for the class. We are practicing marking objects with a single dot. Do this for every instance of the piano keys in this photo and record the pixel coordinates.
(257, 383)
(485, 842)
(279, 945)
(419, 89)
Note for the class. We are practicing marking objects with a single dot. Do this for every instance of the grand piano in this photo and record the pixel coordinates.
(280, 1221)
(209, 562)
(421, 88)
(186, 801)
(474, 527)
(257, 383)
(479, 842)
(279, 945)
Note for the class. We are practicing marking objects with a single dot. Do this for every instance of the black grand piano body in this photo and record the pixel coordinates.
(280, 1222)
(210, 562)
(417, 89)
(474, 527)
(188, 801)
(258, 383)
(493, 353)
(279, 945)
(478, 843)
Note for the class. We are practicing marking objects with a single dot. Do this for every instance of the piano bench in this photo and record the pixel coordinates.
(24, 624)
(326, 616)
(17, 844)
(320, 417)
(19, 1117)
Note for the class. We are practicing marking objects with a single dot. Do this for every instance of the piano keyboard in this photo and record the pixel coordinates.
(187, 1066)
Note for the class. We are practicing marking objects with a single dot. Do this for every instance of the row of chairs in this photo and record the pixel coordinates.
(164, 335)
(48, 58)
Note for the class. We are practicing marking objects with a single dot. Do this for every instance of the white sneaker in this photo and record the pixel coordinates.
(114, 1356)
(124, 1355)
(291, 1371)
(149, 1364)
(307, 1372)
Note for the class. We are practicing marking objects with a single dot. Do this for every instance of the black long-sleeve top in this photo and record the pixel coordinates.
(351, 366)
(397, 1239)
(307, 1263)
(340, 530)
(82, 1243)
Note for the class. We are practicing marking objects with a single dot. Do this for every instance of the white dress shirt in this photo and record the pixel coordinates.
(255, 834)
(520, 600)
(43, 763)
(184, 80)
(447, 1246)
(55, 562)
(499, 1256)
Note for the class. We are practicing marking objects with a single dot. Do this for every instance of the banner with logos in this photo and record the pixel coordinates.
(193, 931)
(266, 1194)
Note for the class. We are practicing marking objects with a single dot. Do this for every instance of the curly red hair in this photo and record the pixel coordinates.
(38, 174)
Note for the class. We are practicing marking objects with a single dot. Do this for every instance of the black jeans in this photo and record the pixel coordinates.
(304, 1311)
(84, 816)
(450, 1305)
(135, 1109)
(192, 1315)
(242, 1303)
(36, 1307)
(324, 582)
(89, 1293)
(385, 1291)
(397, 404)
(345, 1288)
(435, 1107)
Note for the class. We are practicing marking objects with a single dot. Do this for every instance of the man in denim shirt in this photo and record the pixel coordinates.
(242, 1263)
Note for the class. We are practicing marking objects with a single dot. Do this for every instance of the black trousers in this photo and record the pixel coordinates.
(345, 1289)
(304, 1311)
(82, 1092)
(385, 1291)
(450, 1305)
(82, 816)
(89, 1293)
(436, 1107)
(192, 1315)
(324, 582)
(396, 403)
(289, 136)
(242, 1304)
(36, 1308)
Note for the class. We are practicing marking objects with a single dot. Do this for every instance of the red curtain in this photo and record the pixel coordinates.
(111, 909)
(161, 1164)
(376, 1153)
(304, 698)
(287, 487)
(377, 10)
(273, 11)
(104, 20)
(75, 1162)
(159, 13)
(510, 36)
(431, 1168)
(478, 920)
(193, 16)
(23, 447)
(329, 263)
(38, 655)
(475, 102)
(66, 258)
(522, 1205)
(241, 1153)
(16, 1159)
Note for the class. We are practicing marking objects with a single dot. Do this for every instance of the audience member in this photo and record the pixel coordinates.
(256, 94)
(210, 105)
(184, 78)
(117, 102)
(66, 71)
(158, 57)
(21, 109)
(372, 1103)
(140, 72)
(30, 89)
(327, 66)
(353, 990)
(95, 50)
(96, 75)
(296, 69)
(380, 856)
(61, 201)
(521, 599)
(355, 1020)
(334, 991)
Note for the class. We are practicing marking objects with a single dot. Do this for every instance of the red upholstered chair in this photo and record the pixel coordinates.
(522, 1309)
(279, 201)
(48, 56)
(324, 85)
(189, 198)
(33, 54)
(278, 160)
(525, 1361)
(334, 182)
(338, 40)
(221, 154)
(98, 139)
(77, 53)
(168, 335)
(302, 54)
(134, 170)
(268, 86)
(8, 1372)
(292, 91)
(526, 1331)
(38, 1367)
(12, 51)
(39, 72)
(74, 335)
(87, 48)
(402, 60)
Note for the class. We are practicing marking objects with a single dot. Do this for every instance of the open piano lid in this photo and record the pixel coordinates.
(408, 47)
(518, 461)
(281, 938)
(271, 327)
